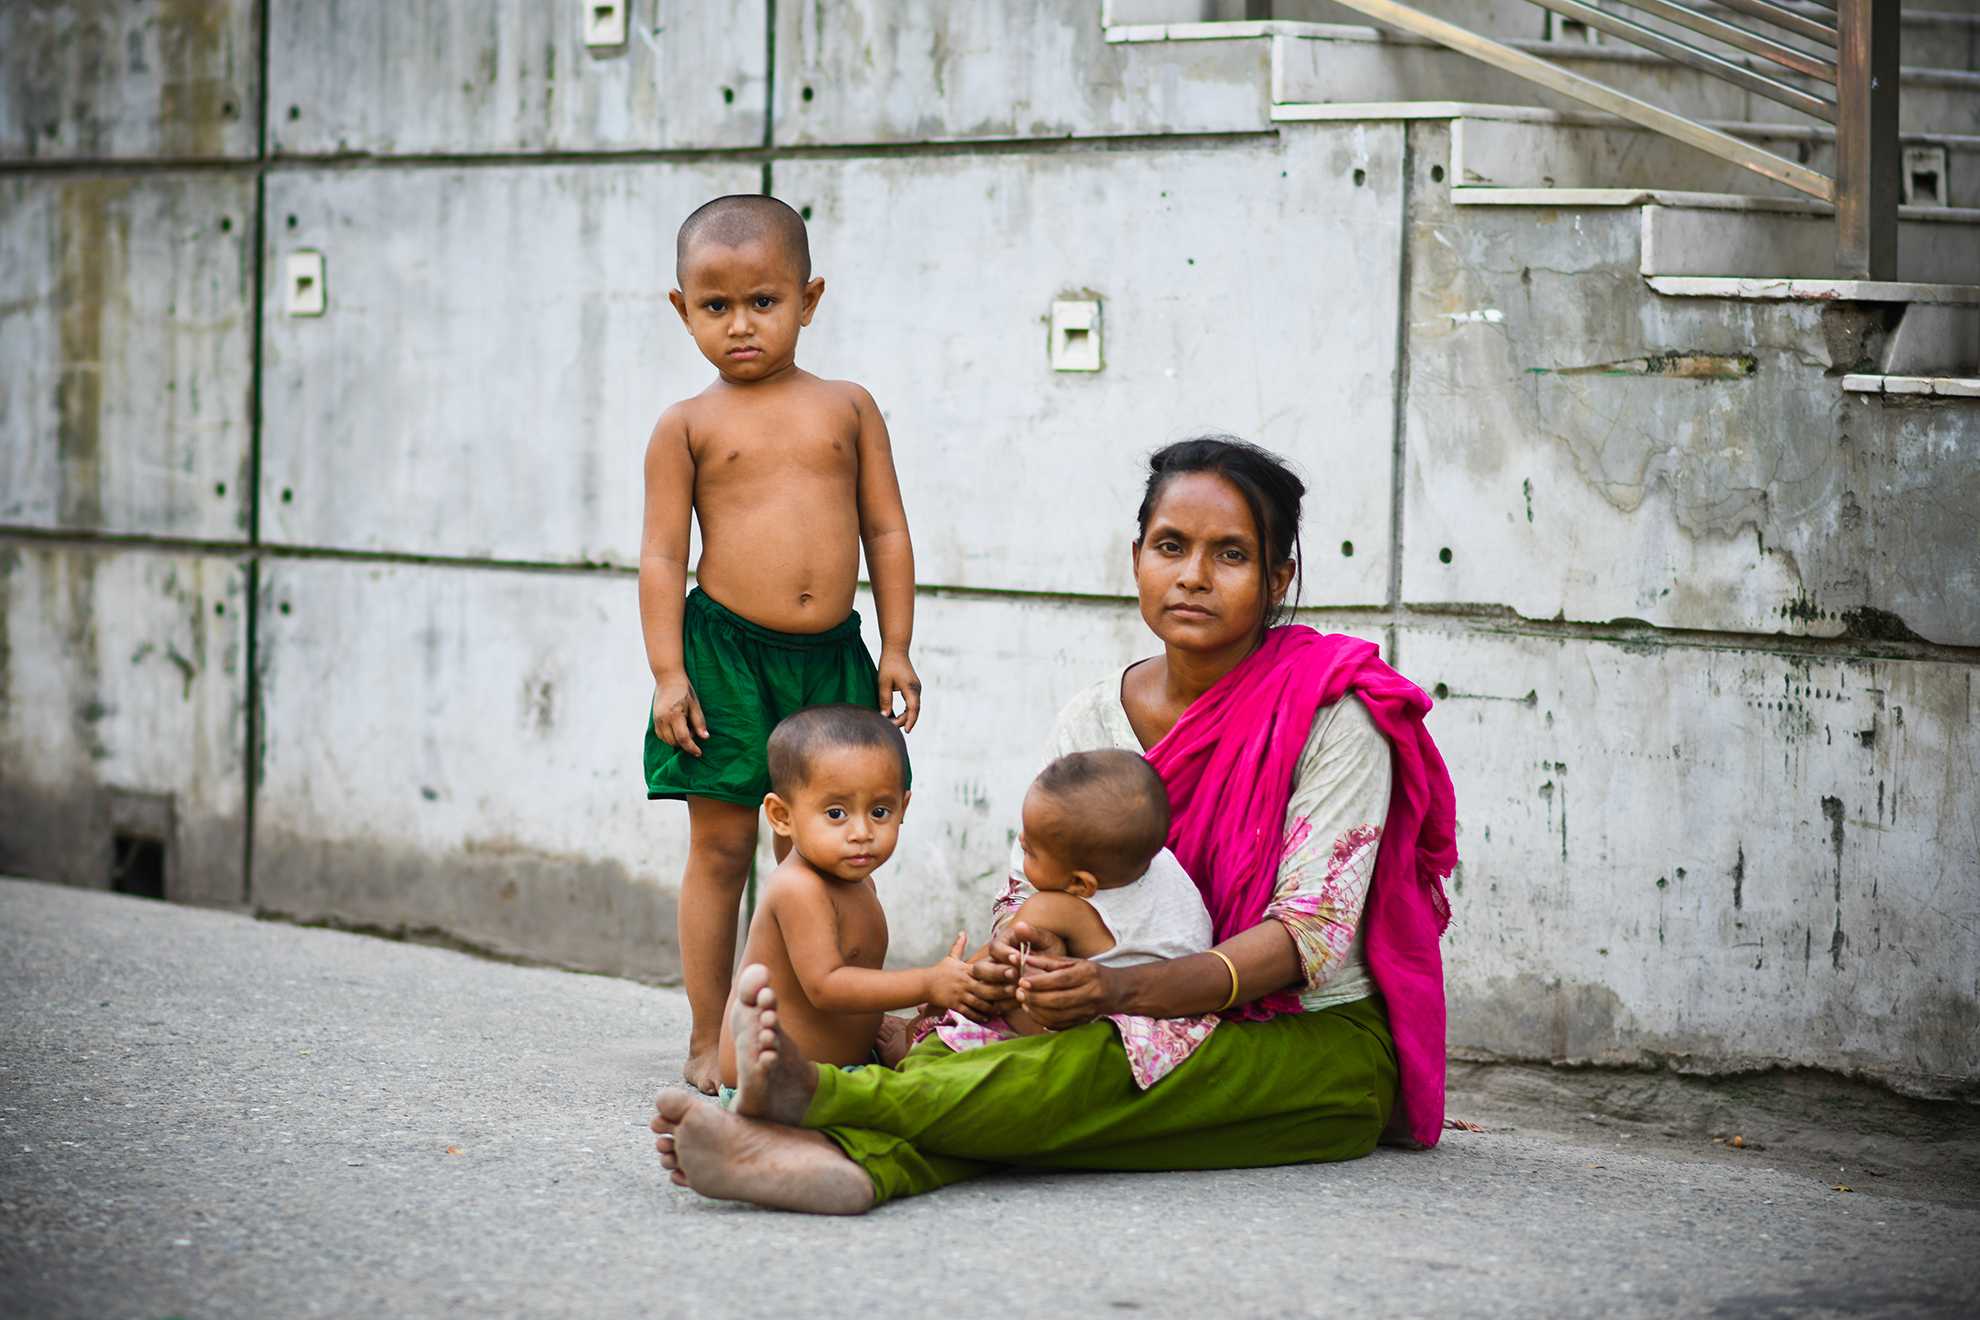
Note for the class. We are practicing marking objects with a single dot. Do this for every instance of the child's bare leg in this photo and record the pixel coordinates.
(1021, 1021)
(721, 841)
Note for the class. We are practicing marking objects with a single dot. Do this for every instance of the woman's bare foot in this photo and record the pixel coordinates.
(773, 1081)
(728, 1158)
(704, 1067)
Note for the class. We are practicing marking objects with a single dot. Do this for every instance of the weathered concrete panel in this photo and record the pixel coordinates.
(1716, 859)
(112, 79)
(512, 75)
(1004, 460)
(1581, 447)
(878, 71)
(123, 699)
(497, 347)
(451, 765)
(126, 304)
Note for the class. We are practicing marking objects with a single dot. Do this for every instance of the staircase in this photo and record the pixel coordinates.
(1705, 228)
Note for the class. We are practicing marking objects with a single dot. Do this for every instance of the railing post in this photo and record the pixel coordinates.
(1867, 168)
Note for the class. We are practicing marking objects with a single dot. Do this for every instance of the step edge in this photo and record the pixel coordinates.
(1938, 387)
(1680, 199)
(1754, 288)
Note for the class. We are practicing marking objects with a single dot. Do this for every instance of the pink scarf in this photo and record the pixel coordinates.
(1229, 765)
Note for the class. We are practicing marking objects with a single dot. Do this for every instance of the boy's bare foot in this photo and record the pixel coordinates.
(895, 1039)
(729, 1158)
(704, 1066)
(773, 1081)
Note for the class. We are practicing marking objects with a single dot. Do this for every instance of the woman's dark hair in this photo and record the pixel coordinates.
(1269, 488)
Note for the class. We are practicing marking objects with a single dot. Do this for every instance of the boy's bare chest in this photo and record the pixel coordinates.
(862, 925)
(749, 447)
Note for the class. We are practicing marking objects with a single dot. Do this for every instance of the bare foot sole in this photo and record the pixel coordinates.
(727, 1158)
(704, 1067)
(773, 1081)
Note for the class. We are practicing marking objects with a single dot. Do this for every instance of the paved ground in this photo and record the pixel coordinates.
(203, 1116)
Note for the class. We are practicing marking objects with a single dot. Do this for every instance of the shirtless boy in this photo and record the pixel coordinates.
(790, 477)
(838, 793)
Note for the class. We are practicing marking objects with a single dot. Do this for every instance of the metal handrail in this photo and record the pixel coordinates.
(1703, 60)
(1864, 110)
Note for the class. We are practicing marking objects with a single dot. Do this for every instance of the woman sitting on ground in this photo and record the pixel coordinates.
(1316, 818)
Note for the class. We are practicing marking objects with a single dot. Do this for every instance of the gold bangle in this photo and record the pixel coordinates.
(1232, 1001)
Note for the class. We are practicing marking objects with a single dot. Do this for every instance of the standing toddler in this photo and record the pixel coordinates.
(790, 477)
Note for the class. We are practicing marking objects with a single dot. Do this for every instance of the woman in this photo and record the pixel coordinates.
(1316, 818)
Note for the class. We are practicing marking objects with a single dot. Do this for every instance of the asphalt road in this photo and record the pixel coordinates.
(202, 1115)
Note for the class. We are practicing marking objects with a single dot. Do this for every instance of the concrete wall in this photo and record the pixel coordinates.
(341, 607)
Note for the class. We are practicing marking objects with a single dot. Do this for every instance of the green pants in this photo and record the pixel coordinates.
(748, 677)
(1302, 1088)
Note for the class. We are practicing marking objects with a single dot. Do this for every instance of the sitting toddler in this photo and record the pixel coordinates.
(1092, 846)
(838, 792)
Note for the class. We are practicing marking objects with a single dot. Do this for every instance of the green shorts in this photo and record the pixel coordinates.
(747, 678)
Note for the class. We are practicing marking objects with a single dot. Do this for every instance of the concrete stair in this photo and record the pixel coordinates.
(1516, 145)
(1941, 34)
(1318, 63)
(1519, 147)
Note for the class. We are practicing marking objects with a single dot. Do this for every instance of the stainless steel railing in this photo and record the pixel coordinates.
(1855, 89)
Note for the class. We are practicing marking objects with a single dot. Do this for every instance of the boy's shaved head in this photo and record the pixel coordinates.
(800, 739)
(745, 218)
(1111, 811)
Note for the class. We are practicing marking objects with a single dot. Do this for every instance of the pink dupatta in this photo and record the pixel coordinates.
(1229, 764)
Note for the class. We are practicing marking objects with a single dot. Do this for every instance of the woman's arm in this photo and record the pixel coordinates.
(1064, 992)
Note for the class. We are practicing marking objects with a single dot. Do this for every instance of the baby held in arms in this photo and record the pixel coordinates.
(1094, 826)
(1092, 846)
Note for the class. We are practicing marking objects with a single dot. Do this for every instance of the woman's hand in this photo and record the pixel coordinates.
(1062, 992)
(996, 972)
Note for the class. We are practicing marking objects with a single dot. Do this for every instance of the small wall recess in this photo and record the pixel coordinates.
(1076, 334)
(1925, 176)
(604, 22)
(303, 293)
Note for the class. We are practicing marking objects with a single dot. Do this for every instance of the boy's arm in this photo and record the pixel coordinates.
(1073, 920)
(663, 552)
(883, 530)
(811, 937)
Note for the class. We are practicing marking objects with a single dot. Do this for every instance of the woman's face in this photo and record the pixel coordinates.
(1197, 567)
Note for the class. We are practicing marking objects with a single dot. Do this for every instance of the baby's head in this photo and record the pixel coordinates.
(1093, 820)
(743, 264)
(838, 788)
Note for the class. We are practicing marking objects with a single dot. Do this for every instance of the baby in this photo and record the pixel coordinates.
(1094, 824)
(838, 778)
